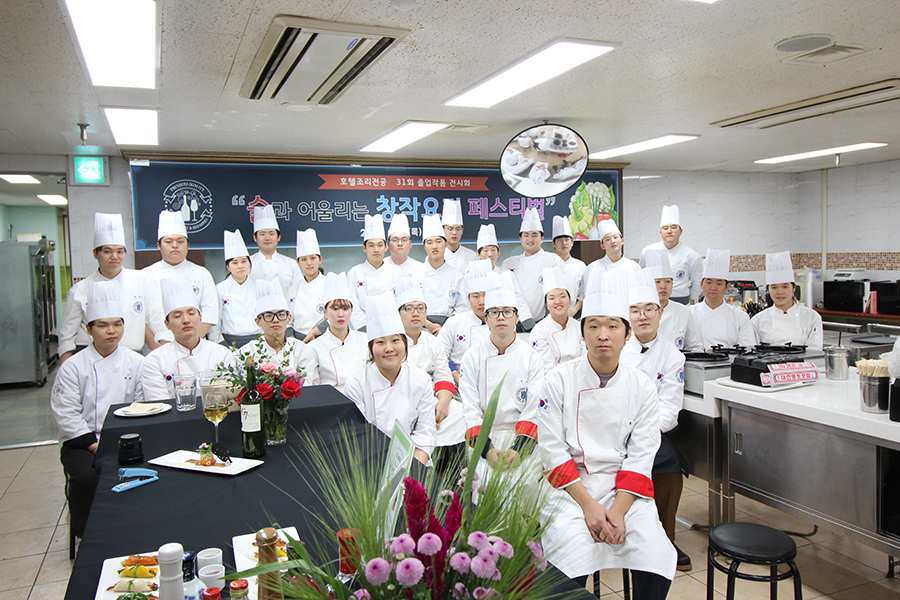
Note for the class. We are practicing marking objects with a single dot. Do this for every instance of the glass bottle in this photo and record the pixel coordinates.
(252, 415)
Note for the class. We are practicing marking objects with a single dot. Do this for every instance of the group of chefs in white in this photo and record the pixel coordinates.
(587, 402)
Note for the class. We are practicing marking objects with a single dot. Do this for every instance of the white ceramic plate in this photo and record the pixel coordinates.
(244, 553)
(179, 459)
(109, 575)
(120, 412)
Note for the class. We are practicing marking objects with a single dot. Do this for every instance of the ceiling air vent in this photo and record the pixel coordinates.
(828, 55)
(306, 60)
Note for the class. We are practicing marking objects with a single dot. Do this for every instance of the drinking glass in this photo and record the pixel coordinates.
(215, 408)
(185, 392)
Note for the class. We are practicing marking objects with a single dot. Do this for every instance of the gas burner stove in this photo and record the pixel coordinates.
(729, 350)
(705, 356)
(786, 349)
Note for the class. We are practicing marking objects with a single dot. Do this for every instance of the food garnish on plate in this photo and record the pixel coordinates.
(137, 559)
(138, 572)
(134, 585)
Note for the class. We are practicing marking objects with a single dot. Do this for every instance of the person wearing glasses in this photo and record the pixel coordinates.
(685, 262)
(557, 338)
(274, 317)
(452, 221)
(399, 245)
(341, 351)
(440, 281)
(237, 296)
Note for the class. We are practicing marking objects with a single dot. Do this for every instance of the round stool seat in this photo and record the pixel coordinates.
(753, 543)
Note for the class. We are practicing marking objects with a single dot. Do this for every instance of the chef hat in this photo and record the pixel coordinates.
(477, 273)
(503, 294)
(531, 221)
(336, 288)
(103, 301)
(170, 223)
(670, 216)
(607, 227)
(557, 279)
(264, 218)
(431, 227)
(399, 224)
(382, 318)
(234, 245)
(177, 293)
(717, 264)
(108, 230)
(487, 236)
(612, 300)
(374, 228)
(452, 213)
(270, 296)
(779, 268)
(406, 289)
(642, 288)
(307, 243)
(561, 227)
(657, 260)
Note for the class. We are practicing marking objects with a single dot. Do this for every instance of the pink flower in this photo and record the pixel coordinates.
(536, 551)
(402, 544)
(504, 549)
(484, 593)
(496, 576)
(290, 373)
(478, 540)
(483, 566)
(460, 591)
(362, 594)
(494, 539)
(460, 562)
(410, 571)
(489, 553)
(429, 544)
(267, 368)
(378, 571)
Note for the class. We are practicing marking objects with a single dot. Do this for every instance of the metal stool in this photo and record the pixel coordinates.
(756, 545)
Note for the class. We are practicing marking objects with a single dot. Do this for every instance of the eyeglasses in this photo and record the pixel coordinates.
(281, 315)
(399, 240)
(413, 309)
(496, 312)
(648, 312)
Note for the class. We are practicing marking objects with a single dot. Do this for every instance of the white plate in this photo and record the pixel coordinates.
(244, 551)
(120, 412)
(728, 381)
(179, 460)
(109, 575)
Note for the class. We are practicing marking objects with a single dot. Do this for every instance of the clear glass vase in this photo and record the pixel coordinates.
(276, 426)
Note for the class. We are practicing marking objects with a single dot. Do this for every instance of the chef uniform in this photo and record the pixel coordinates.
(400, 226)
(86, 385)
(726, 325)
(202, 284)
(606, 435)
(528, 269)
(237, 324)
(440, 286)
(136, 294)
(675, 324)
(464, 329)
(409, 400)
(604, 265)
(365, 280)
(160, 366)
(452, 215)
(554, 344)
(799, 326)
(685, 262)
(339, 360)
(307, 297)
(279, 266)
(571, 266)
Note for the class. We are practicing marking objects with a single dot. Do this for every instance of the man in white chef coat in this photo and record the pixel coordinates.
(188, 354)
(268, 263)
(676, 324)
(563, 242)
(452, 220)
(718, 322)
(467, 328)
(172, 241)
(655, 356)
(102, 374)
(598, 426)
(137, 295)
(440, 281)
(613, 244)
(399, 245)
(528, 266)
(372, 277)
(685, 262)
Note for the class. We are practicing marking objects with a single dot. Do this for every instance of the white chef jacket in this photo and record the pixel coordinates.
(607, 437)
(237, 313)
(307, 303)
(554, 344)
(677, 326)
(86, 386)
(441, 289)
(602, 265)
(295, 353)
(410, 400)
(575, 268)
(429, 355)
(410, 266)
(161, 366)
(365, 280)
(528, 273)
(286, 270)
(139, 304)
(725, 325)
(459, 333)
(338, 361)
(800, 325)
(459, 259)
(664, 365)
(203, 285)
(687, 269)
(521, 303)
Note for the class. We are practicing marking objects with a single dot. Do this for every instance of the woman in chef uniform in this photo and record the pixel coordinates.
(237, 296)
(598, 422)
(557, 338)
(786, 321)
(306, 295)
(389, 389)
(340, 351)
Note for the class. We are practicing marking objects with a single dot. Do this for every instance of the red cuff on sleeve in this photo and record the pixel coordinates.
(444, 385)
(563, 475)
(472, 433)
(526, 428)
(629, 481)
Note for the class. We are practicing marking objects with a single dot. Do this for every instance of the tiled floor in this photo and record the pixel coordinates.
(25, 416)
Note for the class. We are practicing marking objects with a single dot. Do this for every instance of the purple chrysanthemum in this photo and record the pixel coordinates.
(362, 594)
(460, 562)
(429, 544)
(484, 593)
(460, 591)
(504, 549)
(378, 571)
(489, 553)
(402, 544)
(495, 539)
(483, 566)
(410, 571)
(496, 576)
(478, 540)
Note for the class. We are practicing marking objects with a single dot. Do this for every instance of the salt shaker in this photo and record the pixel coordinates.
(171, 585)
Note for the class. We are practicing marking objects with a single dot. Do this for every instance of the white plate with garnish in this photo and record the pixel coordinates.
(140, 409)
(188, 460)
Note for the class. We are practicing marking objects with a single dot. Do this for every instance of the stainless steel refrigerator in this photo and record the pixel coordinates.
(28, 326)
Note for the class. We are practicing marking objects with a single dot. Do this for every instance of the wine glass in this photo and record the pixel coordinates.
(215, 408)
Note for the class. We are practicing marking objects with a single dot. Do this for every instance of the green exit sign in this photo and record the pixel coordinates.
(89, 170)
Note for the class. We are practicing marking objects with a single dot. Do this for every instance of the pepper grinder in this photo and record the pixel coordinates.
(171, 586)
(269, 583)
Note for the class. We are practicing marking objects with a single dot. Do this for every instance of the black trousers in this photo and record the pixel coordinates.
(82, 476)
(644, 585)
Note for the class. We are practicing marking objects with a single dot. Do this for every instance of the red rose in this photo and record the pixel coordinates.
(290, 389)
(265, 390)
(241, 395)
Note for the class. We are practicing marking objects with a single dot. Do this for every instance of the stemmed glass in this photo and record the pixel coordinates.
(215, 408)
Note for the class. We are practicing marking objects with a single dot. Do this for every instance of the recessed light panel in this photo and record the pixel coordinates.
(19, 178)
(404, 135)
(817, 153)
(666, 140)
(133, 127)
(54, 199)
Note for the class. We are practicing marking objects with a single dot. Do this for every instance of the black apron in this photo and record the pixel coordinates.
(668, 458)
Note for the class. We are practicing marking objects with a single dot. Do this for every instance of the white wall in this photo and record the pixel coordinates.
(864, 208)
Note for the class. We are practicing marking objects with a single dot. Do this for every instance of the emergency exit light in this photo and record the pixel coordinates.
(88, 170)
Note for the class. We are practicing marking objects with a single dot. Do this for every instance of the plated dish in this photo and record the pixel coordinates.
(190, 461)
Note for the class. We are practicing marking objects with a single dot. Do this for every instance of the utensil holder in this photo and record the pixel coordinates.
(874, 393)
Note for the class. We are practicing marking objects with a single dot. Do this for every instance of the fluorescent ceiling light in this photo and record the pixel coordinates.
(118, 40)
(839, 150)
(705, 1)
(54, 199)
(549, 62)
(133, 127)
(404, 135)
(19, 178)
(666, 140)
